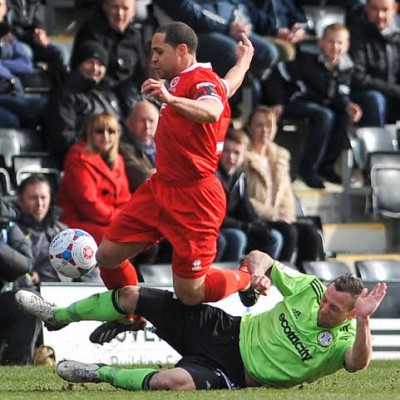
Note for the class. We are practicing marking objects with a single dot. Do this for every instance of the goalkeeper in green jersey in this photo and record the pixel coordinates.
(313, 332)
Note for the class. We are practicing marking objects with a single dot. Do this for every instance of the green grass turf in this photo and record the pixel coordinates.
(380, 381)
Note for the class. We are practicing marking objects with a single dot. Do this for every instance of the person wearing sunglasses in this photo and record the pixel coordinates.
(94, 185)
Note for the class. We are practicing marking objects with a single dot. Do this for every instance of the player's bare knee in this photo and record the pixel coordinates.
(128, 296)
(175, 379)
(189, 291)
(104, 260)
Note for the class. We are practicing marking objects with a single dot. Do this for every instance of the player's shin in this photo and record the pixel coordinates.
(99, 307)
(129, 379)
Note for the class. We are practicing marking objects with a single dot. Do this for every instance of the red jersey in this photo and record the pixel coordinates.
(189, 150)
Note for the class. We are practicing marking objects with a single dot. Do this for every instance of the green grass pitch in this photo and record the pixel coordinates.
(380, 381)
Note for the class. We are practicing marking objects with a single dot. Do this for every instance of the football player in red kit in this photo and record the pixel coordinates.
(183, 201)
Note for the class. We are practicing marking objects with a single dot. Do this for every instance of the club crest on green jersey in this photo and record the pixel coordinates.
(325, 338)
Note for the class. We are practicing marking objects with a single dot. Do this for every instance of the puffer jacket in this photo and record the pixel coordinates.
(40, 234)
(127, 55)
(15, 250)
(70, 105)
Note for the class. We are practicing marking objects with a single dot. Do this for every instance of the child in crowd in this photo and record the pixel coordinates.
(324, 99)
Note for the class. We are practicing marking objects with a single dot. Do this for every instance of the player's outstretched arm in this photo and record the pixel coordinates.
(244, 55)
(359, 356)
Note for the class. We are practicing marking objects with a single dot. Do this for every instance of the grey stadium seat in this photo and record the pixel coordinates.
(326, 270)
(378, 270)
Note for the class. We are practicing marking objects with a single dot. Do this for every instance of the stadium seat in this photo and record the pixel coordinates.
(320, 16)
(17, 141)
(32, 160)
(378, 270)
(53, 175)
(326, 270)
(366, 144)
(384, 158)
(9, 145)
(5, 183)
(386, 200)
(367, 140)
(384, 184)
(30, 140)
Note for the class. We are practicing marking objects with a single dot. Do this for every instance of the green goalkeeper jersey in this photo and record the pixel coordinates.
(284, 347)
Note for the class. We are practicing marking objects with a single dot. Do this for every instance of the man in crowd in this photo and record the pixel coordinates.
(38, 219)
(85, 91)
(112, 25)
(375, 50)
(137, 146)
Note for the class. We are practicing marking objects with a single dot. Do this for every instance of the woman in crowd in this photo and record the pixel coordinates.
(94, 186)
(267, 169)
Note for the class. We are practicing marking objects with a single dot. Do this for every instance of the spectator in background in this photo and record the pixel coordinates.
(85, 91)
(39, 221)
(375, 50)
(16, 110)
(240, 215)
(28, 27)
(138, 151)
(231, 245)
(324, 98)
(137, 146)
(284, 23)
(94, 186)
(112, 25)
(18, 331)
(267, 170)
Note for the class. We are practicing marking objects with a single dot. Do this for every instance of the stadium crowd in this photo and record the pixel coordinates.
(98, 129)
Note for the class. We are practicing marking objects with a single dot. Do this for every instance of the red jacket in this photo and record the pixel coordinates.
(90, 193)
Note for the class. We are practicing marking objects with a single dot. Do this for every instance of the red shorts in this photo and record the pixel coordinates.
(189, 217)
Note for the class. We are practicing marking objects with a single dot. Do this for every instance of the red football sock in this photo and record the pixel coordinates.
(221, 283)
(123, 275)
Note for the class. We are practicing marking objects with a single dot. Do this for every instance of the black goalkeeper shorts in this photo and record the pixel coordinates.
(206, 337)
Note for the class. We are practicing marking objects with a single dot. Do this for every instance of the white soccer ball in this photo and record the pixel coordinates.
(72, 253)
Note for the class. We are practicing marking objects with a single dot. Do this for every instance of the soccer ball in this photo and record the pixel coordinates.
(72, 253)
